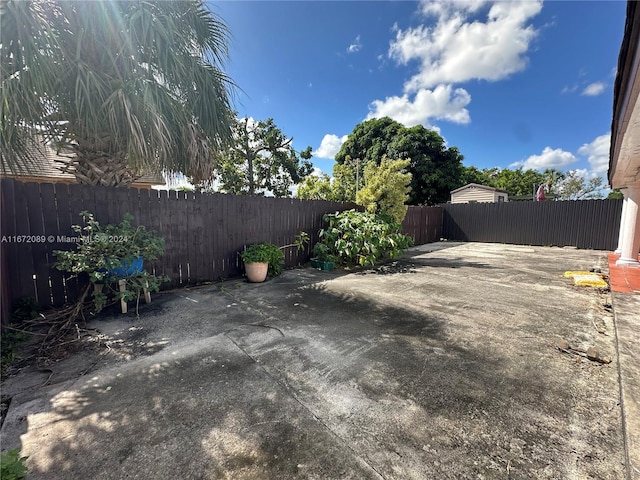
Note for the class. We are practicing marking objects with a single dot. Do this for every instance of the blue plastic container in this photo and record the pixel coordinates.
(128, 268)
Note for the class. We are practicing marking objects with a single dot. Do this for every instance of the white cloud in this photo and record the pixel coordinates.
(442, 103)
(583, 173)
(330, 145)
(457, 49)
(570, 89)
(460, 45)
(443, 7)
(594, 89)
(316, 172)
(556, 158)
(597, 153)
(355, 46)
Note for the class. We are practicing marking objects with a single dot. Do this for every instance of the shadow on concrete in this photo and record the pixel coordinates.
(307, 376)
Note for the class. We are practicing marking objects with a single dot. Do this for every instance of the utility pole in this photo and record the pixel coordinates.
(357, 178)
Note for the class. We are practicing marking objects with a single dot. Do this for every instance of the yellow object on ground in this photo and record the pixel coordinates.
(571, 273)
(587, 279)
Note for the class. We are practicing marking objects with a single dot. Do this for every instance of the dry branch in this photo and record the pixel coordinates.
(590, 353)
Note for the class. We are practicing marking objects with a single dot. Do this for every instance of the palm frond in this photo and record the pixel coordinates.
(139, 80)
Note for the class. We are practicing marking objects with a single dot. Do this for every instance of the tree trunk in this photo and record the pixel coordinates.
(250, 175)
(99, 168)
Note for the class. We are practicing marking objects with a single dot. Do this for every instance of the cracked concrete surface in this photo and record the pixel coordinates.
(439, 365)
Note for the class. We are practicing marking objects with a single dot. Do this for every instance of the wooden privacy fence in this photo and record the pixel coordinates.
(203, 233)
(423, 224)
(592, 224)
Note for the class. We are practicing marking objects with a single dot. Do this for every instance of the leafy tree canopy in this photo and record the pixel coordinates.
(516, 182)
(261, 159)
(315, 187)
(615, 193)
(128, 86)
(435, 170)
(577, 187)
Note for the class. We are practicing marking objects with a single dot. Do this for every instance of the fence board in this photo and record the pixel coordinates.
(8, 248)
(62, 228)
(589, 224)
(39, 245)
(423, 224)
(24, 250)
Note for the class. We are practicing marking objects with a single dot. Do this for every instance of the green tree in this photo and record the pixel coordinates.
(128, 86)
(553, 178)
(518, 181)
(387, 188)
(435, 170)
(315, 187)
(615, 193)
(348, 177)
(261, 158)
(576, 187)
(472, 174)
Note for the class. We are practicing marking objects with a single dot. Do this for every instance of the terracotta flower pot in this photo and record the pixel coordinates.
(256, 271)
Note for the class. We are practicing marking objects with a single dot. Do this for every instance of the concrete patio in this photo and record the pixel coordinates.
(442, 364)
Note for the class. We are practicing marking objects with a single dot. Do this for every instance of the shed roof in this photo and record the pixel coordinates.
(477, 185)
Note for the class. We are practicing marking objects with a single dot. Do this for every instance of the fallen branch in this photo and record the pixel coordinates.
(590, 353)
(61, 324)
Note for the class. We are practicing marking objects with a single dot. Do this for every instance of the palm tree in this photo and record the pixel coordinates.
(553, 179)
(128, 86)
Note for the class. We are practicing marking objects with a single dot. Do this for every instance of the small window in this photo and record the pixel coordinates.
(500, 198)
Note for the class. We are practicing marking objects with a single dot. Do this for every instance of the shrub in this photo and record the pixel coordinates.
(361, 238)
(12, 465)
(322, 253)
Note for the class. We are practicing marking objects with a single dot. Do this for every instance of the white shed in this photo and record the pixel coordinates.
(474, 192)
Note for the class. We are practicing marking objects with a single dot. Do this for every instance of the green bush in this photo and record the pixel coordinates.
(322, 253)
(12, 465)
(361, 238)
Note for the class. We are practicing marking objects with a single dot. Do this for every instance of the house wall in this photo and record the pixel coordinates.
(475, 194)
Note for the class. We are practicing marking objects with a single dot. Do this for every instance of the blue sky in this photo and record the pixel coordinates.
(509, 83)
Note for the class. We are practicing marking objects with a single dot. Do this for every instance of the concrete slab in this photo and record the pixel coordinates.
(439, 365)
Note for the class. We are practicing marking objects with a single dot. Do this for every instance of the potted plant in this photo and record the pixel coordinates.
(322, 258)
(261, 259)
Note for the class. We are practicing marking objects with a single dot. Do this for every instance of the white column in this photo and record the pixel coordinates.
(618, 250)
(630, 236)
